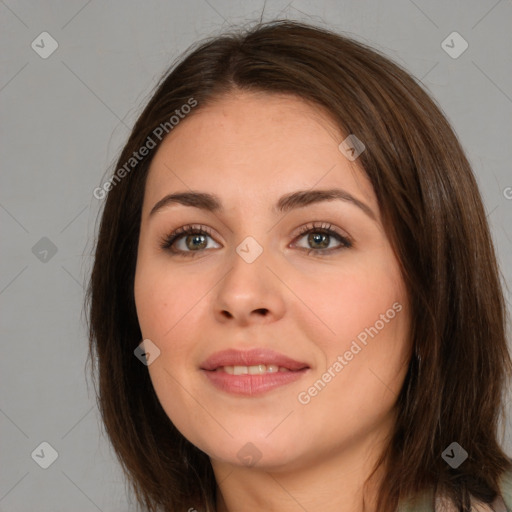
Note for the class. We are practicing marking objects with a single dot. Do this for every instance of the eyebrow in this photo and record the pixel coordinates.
(286, 203)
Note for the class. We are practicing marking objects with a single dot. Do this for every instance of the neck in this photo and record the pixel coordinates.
(333, 481)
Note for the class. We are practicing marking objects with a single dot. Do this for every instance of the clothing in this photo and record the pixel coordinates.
(427, 503)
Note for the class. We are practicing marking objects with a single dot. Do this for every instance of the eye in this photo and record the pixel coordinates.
(320, 238)
(191, 240)
(188, 240)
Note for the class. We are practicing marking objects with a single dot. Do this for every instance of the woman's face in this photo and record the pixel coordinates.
(282, 319)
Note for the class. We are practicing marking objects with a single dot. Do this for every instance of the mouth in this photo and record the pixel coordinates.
(255, 361)
(251, 372)
(258, 369)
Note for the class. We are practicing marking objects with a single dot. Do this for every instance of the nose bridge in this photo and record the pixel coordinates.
(248, 275)
(248, 266)
(249, 289)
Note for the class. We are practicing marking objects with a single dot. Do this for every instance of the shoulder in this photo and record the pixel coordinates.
(427, 502)
(502, 503)
(506, 489)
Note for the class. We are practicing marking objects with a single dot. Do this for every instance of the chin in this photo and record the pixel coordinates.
(257, 450)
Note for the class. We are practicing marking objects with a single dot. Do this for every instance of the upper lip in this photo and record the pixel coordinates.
(233, 357)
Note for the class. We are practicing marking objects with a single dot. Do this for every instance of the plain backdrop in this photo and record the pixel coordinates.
(65, 118)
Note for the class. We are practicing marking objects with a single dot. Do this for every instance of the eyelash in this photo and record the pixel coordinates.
(325, 228)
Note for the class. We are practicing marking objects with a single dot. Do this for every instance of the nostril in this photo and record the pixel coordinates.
(260, 312)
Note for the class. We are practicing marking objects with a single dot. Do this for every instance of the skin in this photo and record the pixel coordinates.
(250, 149)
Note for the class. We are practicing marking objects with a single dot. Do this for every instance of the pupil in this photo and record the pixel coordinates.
(196, 241)
(319, 238)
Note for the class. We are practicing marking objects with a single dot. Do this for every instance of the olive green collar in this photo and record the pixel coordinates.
(426, 503)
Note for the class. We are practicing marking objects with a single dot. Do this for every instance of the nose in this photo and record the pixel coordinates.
(250, 293)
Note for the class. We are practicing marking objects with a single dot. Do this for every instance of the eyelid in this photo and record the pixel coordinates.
(168, 240)
(345, 241)
(321, 226)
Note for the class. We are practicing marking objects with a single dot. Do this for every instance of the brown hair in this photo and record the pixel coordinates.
(434, 218)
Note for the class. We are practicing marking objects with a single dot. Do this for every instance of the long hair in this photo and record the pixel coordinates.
(433, 215)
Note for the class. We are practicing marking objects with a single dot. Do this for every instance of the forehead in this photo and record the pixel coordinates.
(254, 146)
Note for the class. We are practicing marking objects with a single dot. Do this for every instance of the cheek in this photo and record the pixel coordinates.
(163, 297)
(167, 307)
(365, 361)
(345, 302)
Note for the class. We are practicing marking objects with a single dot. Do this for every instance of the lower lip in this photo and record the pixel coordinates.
(250, 385)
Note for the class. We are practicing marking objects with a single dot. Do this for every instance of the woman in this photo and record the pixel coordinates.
(294, 245)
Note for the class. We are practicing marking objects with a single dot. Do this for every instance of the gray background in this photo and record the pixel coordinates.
(65, 119)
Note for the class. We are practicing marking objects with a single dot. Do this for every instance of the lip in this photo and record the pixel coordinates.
(252, 357)
(250, 385)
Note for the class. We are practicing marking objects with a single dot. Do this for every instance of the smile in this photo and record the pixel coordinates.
(258, 369)
(251, 372)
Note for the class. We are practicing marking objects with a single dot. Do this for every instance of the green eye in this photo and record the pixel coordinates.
(193, 239)
(319, 239)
